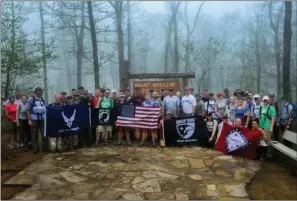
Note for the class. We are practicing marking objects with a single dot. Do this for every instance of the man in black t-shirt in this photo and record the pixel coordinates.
(205, 97)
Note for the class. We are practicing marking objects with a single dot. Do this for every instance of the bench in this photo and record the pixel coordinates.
(290, 136)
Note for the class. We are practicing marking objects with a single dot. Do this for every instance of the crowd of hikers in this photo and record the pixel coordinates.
(25, 115)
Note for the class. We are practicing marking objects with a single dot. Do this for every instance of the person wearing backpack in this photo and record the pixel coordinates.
(36, 109)
(267, 119)
(105, 131)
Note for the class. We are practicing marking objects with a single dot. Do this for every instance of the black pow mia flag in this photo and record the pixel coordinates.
(185, 131)
(102, 116)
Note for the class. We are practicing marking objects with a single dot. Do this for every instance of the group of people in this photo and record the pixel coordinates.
(25, 114)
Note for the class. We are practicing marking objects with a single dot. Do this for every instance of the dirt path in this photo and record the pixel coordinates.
(274, 181)
(12, 162)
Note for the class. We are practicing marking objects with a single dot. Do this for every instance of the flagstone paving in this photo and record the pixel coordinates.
(134, 173)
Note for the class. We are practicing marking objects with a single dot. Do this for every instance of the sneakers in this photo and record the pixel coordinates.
(129, 143)
(10, 146)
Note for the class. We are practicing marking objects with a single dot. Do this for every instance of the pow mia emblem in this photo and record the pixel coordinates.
(185, 130)
(235, 140)
(104, 116)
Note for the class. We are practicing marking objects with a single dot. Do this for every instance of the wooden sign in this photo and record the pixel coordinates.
(156, 85)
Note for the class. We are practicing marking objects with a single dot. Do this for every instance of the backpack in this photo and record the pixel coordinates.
(267, 114)
(293, 114)
(33, 104)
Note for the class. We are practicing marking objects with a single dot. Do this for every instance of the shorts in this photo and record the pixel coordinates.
(12, 127)
(103, 128)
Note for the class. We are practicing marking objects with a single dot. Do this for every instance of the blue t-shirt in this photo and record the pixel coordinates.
(150, 103)
(239, 113)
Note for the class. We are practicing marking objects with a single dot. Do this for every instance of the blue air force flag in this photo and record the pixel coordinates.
(66, 120)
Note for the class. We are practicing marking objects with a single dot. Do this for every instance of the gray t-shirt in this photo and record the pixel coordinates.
(171, 103)
(22, 109)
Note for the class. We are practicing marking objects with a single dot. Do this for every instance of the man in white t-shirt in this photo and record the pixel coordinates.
(188, 103)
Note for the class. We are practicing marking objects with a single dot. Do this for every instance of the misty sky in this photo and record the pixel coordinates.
(216, 8)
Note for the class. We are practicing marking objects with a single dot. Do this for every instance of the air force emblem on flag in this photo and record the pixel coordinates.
(235, 140)
(70, 120)
(185, 128)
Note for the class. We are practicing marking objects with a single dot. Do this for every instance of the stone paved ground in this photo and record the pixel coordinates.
(107, 173)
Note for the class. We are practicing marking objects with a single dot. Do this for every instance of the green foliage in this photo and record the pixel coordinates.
(19, 54)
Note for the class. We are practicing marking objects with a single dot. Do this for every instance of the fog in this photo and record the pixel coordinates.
(232, 44)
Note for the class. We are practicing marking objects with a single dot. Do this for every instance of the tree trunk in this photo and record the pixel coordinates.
(94, 44)
(287, 51)
(296, 53)
(258, 59)
(189, 33)
(11, 57)
(43, 53)
(129, 37)
(80, 45)
(167, 44)
(277, 51)
(118, 7)
(175, 39)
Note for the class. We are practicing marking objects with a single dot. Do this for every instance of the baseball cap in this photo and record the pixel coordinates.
(226, 89)
(122, 96)
(107, 91)
(265, 98)
(113, 91)
(256, 96)
(187, 88)
(219, 94)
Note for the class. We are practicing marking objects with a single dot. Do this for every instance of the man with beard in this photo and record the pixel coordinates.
(36, 108)
(163, 94)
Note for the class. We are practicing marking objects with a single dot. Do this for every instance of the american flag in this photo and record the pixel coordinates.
(138, 117)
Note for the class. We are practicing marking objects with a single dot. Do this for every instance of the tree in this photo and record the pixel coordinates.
(167, 43)
(287, 51)
(189, 32)
(18, 54)
(208, 56)
(94, 44)
(277, 52)
(118, 9)
(174, 10)
(44, 57)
